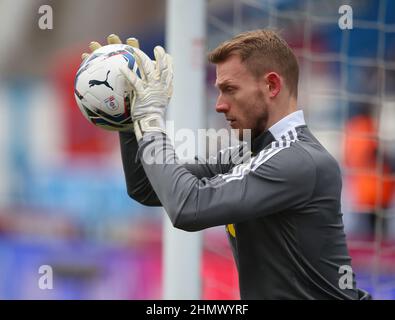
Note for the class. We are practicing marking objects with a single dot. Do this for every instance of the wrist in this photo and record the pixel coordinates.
(153, 122)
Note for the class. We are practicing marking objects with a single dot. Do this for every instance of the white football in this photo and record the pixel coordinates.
(102, 93)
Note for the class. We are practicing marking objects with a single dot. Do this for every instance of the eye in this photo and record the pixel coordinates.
(229, 89)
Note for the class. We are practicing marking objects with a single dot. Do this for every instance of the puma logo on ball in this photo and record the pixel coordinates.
(98, 82)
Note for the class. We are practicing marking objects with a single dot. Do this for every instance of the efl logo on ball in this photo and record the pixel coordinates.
(111, 103)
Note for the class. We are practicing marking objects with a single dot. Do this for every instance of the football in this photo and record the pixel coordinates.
(102, 93)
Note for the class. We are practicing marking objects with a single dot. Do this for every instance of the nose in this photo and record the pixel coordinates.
(221, 106)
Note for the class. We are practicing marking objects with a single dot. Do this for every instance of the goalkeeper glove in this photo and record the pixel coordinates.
(111, 39)
(153, 90)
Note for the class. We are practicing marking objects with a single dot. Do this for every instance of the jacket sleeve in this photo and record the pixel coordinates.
(139, 187)
(274, 180)
(137, 184)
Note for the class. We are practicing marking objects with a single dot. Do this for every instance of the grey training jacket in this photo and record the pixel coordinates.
(281, 208)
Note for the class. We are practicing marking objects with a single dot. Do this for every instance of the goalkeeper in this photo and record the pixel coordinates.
(282, 208)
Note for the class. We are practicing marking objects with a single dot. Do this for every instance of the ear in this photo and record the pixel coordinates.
(274, 84)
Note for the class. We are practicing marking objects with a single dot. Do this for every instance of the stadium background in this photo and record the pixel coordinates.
(62, 193)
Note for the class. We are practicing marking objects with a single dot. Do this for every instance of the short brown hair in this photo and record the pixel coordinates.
(262, 51)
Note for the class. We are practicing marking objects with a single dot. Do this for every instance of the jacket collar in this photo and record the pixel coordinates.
(278, 130)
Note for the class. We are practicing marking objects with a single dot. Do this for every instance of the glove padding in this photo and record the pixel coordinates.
(153, 90)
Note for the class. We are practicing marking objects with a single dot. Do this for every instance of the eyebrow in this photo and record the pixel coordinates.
(224, 84)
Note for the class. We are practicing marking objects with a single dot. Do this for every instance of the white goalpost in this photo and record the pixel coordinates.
(185, 41)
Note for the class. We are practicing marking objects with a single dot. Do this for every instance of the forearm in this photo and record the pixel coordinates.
(172, 180)
(138, 186)
(192, 203)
